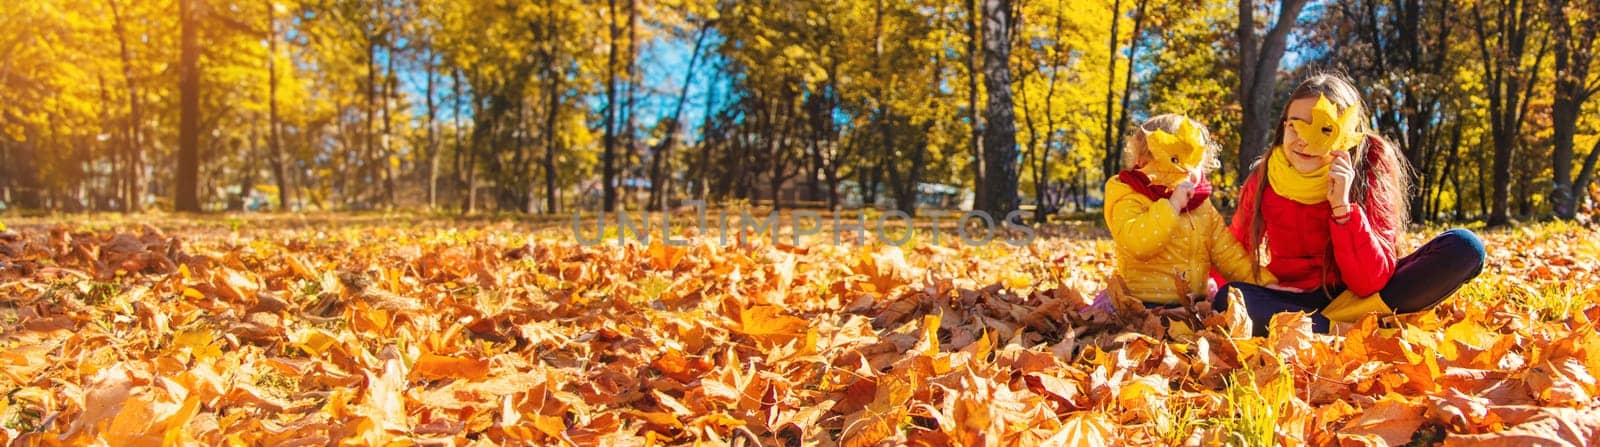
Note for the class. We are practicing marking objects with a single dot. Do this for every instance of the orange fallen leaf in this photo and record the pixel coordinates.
(769, 324)
(1391, 421)
(435, 367)
(1084, 429)
(1556, 427)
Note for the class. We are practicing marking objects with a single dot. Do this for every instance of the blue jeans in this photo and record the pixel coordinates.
(1421, 280)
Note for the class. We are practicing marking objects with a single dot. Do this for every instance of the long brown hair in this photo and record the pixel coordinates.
(1382, 181)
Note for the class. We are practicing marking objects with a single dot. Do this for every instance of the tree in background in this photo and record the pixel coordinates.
(1116, 121)
(497, 105)
(187, 198)
(1403, 52)
(1259, 58)
(999, 195)
(1574, 27)
(1512, 47)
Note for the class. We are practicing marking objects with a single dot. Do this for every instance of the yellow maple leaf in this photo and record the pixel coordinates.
(663, 256)
(202, 344)
(1143, 393)
(1329, 129)
(769, 324)
(1178, 153)
(314, 341)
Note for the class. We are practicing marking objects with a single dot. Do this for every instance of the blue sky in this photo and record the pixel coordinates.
(662, 65)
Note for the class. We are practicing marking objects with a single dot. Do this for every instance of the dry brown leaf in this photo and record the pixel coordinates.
(1084, 429)
(1546, 427)
(1064, 392)
(1390, 422)
(107, 393)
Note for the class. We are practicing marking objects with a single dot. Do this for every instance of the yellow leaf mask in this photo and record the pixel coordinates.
(1329, 130)
(1175, 155)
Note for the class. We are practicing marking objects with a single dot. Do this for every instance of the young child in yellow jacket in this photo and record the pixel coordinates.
(1167, 235)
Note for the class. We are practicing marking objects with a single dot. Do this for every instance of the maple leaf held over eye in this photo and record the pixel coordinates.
(1183, 151)
(1328, 129)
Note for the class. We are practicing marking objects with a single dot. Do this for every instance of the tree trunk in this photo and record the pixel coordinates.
(7, 178)
(369, 166)
(1508, 92)
(1036, 160)
(457, 167)
(187, 198)
(247, 175)
(1448, 172)
(1483, 186)
(387, 154)
(1581, 186)
(833, 153)
(476, 148)
(1041, 183)
(782, 159)
(1000, 134)
(1127, 89)
(1258, 78)
(1108, 165)
(707, 145)
(608, 158)
(1573, 55)
(1083, 191)
(431, 144)
(919, 151)
(135, 126)
(974, 65)
(830, 174)
(903, 190)
(662, 153)
(552, 117)
(515, 194)
(869, 184)
(630, 70)
(99, 200)
(274, 137)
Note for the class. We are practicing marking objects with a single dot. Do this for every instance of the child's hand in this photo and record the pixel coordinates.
(1180, 195)
(1340, 174)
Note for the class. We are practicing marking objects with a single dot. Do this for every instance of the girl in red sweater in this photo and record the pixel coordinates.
(1327, 202)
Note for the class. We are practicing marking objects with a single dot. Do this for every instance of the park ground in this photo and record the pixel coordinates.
(418, 329)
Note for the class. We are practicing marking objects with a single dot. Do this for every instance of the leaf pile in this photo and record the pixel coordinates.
(493, 334)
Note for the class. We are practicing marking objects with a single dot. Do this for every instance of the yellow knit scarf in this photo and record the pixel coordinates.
(1308, 188)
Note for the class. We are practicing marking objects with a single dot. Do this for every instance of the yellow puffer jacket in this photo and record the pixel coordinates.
(1157, 248)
